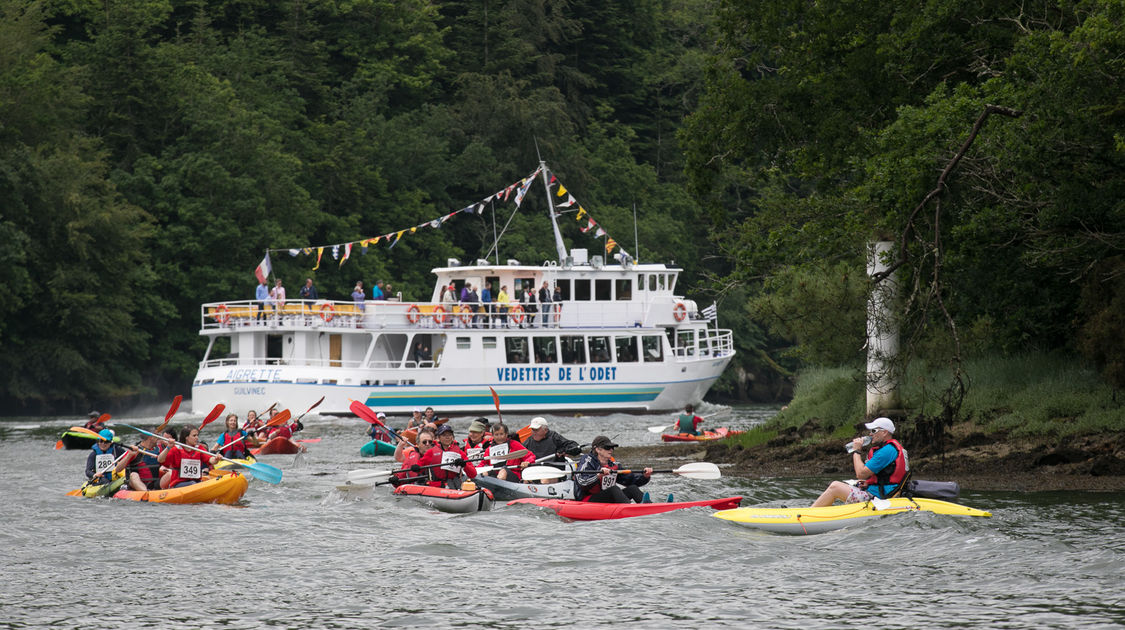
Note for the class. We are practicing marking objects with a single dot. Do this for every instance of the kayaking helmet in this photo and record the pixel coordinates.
(106, 435)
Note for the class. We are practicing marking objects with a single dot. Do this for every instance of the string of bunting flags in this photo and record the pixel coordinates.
(515, 192)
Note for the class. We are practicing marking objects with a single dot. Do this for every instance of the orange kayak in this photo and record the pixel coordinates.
(225, 488)
(278, 446)
(707, 436)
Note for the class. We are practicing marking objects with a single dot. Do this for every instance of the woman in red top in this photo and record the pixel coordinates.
(502, 444)
(185, 465)
(448, 452)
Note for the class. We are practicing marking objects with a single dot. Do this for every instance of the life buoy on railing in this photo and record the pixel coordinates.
(327, 312)
(466, 314)
(413, 314)
(516, 314)
(439, 315)
(222, 314)
(679, 311)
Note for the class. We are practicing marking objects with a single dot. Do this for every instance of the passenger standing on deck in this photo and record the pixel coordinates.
(478, 442)
(502, 300)
(186, 466)
(546, 312)
(557, 298)
(688, 422)
(597, 478)
(103, 459)
(232, 443)
(447, 452)
(503, 444)
(548, 445)
(262, 295)
(883, 470)
(308, 292)
(358, 295)
(448, 304)
(486, 304)
(529, 307)
(474, 306)
(377, 292)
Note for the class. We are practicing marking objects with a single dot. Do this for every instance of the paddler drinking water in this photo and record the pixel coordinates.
(597, 478)
(883, 470)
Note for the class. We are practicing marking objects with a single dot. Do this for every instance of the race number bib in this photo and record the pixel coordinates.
(608, 481)
(450, 456)
(191, 469)
(497, 451)
(102, 463)
(473, 453)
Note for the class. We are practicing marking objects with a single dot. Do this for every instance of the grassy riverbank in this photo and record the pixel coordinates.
(1030, 422)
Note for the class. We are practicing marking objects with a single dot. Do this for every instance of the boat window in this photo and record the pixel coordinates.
(564, 288)
(640, 282)
(545, 349)
(624, 289)
(599, 350)
(654, 349)
(582, 290)
(489, 343)
(602, 290)
(660, 277)
(626, 349)
(464, 343)
(652, 282)
(573, 349)
(685, 343)
(672, 281)
(516, 349)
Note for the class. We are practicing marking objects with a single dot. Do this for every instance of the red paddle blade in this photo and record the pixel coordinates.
(363, 411)
(524, 433)
(279, 418)
(59, 445)
(215, 413)
(172, 410)
(103, 418)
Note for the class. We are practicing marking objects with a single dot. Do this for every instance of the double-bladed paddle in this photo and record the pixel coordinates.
(355, 476)
(365, 413)
(695, 470)
(265, 472)
(278, 418)
(168, 416)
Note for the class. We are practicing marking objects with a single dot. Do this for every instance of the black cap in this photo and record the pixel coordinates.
(603, 442)
(445, 428)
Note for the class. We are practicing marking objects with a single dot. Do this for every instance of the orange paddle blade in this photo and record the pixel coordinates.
(211, 416)
(59, 445)
(524, 433)
(279, 418)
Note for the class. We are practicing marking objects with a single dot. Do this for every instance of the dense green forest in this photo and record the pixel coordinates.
(152, 150)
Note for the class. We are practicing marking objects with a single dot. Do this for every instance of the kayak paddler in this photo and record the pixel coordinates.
(502, 444)
(186, 467)
(546, 444)
(232, 442)
(476, 444)
(144, 471)
(688, 422)
(882, 471)
(104, 459)
(447, 452)
(597, 479)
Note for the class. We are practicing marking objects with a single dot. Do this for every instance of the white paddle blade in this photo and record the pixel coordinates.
(539, 473)
(699, 470)
(659, 429)
(368, 476)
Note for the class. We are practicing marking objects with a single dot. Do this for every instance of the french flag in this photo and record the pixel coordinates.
(264, 269)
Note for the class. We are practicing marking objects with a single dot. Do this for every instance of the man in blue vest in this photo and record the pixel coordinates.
(882, 471)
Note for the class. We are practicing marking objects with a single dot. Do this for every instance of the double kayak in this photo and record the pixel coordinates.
(505, 490)
(80, 438)
(706, 436)
(810, 520)
(278, 446)
(225, 488)
(589, 511)
(376, 447)
(448, 499)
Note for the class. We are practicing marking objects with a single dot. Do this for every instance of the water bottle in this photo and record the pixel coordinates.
(866, 442)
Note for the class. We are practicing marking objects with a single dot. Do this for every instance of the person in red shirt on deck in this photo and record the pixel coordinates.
(502, 444)
(185, 465)
(478, 441)
(447, 451)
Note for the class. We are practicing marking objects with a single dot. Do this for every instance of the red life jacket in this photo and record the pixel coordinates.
(438, 475)
(893, 473)
(238, 451)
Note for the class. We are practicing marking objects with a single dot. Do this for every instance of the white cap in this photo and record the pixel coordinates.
(417, 410)
(380, 415)
(538, 423)
(881, 423)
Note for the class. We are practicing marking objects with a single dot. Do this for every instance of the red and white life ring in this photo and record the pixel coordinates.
(679, 311)
(222, 314)
(466, 314)
(327, 312)
(439, 315)
(412, 314)
(516, 314)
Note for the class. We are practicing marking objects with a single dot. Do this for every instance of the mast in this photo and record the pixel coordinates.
(551, 208)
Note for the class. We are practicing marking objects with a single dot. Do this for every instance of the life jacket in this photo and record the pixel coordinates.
(604, 483)
(438, 475)
(147, 468)
(238, 451)
(893, 473)
(111, 451)
(478, 449)
(410, 456)
(687, 423)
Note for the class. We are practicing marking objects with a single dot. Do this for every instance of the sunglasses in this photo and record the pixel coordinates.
(425, 441)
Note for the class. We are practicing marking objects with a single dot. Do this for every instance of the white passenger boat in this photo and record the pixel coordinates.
(620, 339)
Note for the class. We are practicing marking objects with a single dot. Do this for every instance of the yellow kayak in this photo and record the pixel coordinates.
(810, 520)
(231, 464)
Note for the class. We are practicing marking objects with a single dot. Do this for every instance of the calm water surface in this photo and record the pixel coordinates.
(302, 554)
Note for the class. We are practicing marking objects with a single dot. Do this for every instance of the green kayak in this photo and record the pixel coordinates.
(377, 447)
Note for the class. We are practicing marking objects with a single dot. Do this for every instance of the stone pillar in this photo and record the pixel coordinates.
(882, 332)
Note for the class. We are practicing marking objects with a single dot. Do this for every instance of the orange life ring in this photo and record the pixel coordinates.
(679, 311)
(412, 314)
(222, 314)
(516, 313)
(327, 312)
(466, 314)
(439, 315)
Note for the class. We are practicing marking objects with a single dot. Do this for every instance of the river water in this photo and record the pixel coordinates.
(304, 555)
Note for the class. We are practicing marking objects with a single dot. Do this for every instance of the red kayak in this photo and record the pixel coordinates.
(471, 499)
(707, 436)
(278, 446)
(588, 511)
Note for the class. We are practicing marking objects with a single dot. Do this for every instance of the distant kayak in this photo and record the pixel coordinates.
(278, 446)
(80, 438)
(707, 436)
(590, 511)
(448, 500)
(809, 520)
(376, 447)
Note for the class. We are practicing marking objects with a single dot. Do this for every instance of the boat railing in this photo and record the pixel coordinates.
(316, 362)
(710, 343)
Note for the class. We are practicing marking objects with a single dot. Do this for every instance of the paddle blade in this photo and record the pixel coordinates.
(102, 419)
(315, 405)
(59, 445)
(699, 470)
(218, 410)
(368, 476)
(363, 411)
(278, 418)
(496, 401)
(524, 433)
(172, 410)
(541, 473)
(265, 472)
(659, 429)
